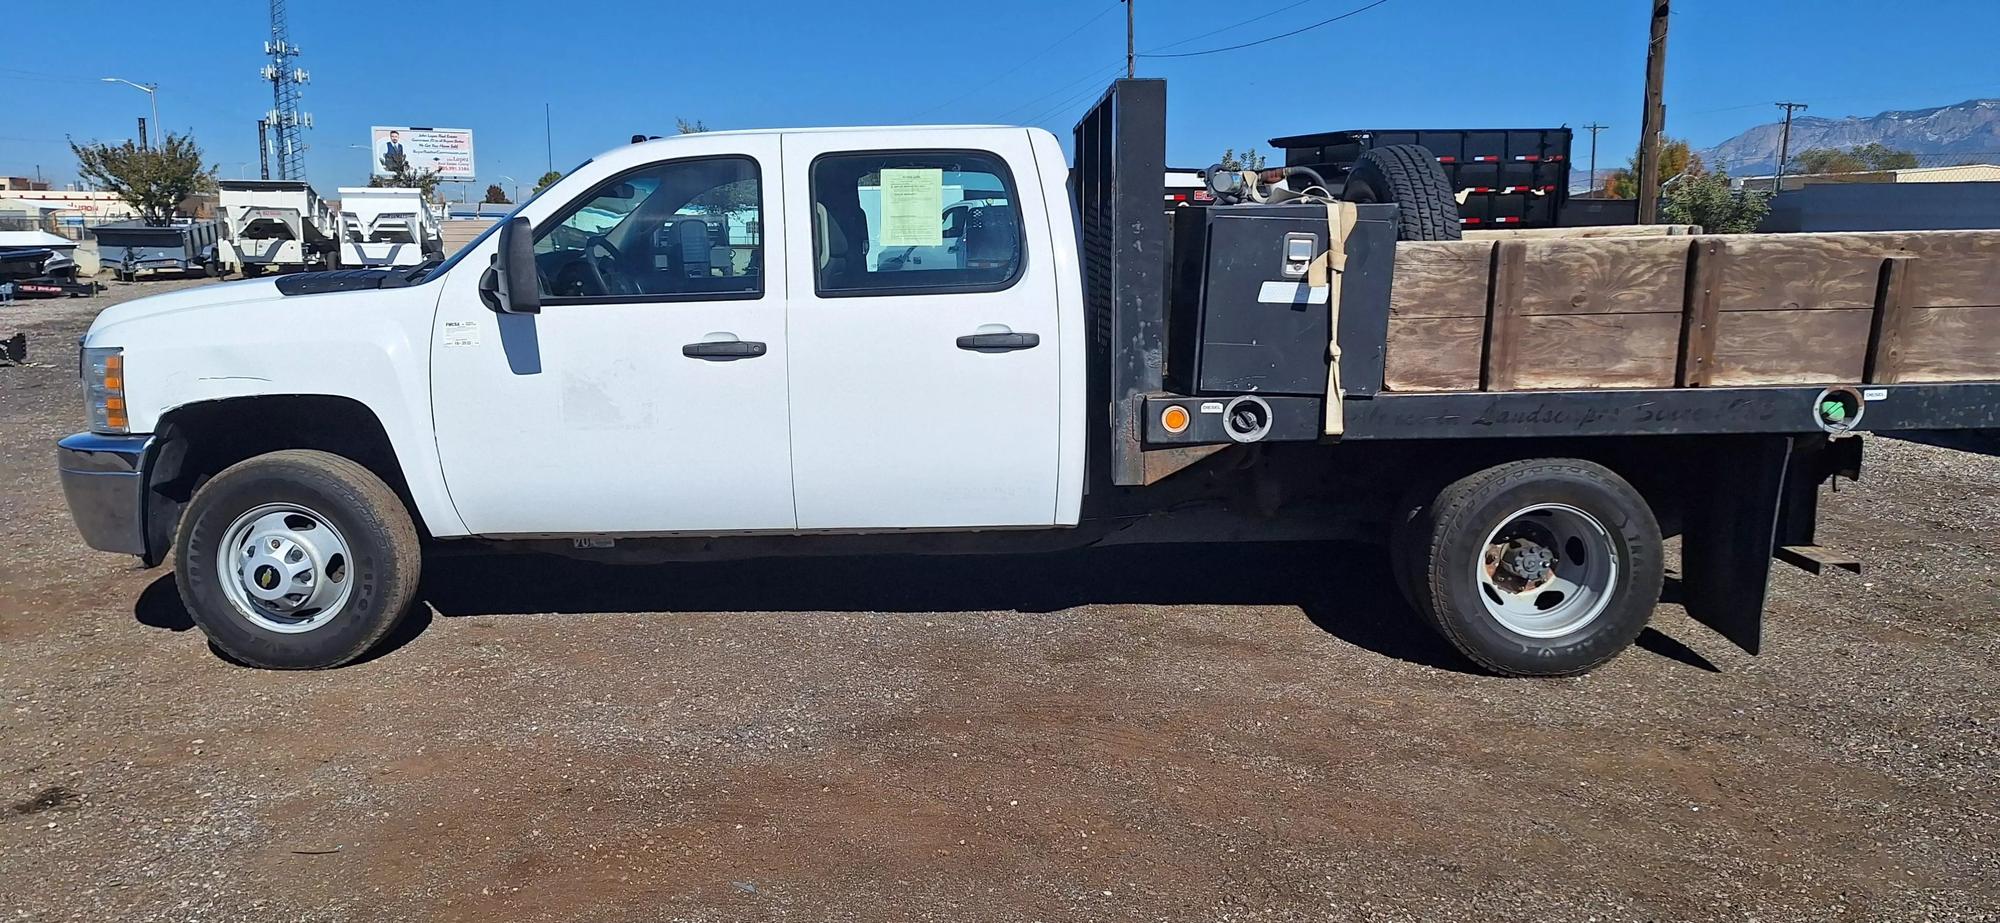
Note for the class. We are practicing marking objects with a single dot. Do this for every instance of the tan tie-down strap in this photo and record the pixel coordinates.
(1325, 271)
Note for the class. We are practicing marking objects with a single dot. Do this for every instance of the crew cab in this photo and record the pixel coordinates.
(885, 339)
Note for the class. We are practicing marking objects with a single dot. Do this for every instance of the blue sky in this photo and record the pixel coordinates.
(609, 68)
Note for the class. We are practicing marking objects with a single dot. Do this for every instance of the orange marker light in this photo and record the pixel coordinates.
(1174, 419)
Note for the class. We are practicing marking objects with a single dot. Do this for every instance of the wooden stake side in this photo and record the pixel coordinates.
(1886, 354)
(1699, 314)
(1503, 317)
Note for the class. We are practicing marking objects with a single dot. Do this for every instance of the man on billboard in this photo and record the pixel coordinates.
(392, 152)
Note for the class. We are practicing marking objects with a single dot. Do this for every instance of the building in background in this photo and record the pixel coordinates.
(1963, 173)
(21, 184)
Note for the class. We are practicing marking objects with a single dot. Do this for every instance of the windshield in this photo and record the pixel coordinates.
(426, 274)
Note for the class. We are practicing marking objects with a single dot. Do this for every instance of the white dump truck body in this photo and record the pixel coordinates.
(386, 226)
(274, 225)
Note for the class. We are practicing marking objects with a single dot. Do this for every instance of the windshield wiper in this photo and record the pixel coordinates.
(423, 269)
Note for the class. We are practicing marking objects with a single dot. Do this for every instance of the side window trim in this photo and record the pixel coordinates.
(1004, 172)
(575, 205)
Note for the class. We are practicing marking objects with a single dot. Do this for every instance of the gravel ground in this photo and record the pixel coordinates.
(1097, 736)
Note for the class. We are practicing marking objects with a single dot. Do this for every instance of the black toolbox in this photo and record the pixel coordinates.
(1240, 317)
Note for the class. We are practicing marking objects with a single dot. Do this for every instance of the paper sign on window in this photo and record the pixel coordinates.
(912, 203)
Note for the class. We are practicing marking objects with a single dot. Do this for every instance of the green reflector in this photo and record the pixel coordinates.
(1834, 411)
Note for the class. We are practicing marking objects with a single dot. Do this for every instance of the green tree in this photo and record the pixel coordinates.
(1676, 157)
(404, 176)
(548, 179)
(1861, 158)
(1248, 160)
(1704, 198)
(496, 195)
(154, 181)
(685, 127)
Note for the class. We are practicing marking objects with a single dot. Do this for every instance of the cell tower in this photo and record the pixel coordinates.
(288, 146)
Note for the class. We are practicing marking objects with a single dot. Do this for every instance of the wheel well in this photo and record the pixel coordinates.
(1373, 480)
(200, 440)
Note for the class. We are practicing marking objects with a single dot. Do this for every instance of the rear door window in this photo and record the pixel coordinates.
(914, 222)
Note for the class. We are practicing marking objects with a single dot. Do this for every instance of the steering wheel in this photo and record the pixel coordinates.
(615, 282)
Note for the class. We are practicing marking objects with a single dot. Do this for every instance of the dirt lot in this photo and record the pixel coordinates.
(1103, 736)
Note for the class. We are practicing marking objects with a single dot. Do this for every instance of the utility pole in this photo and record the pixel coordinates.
(1784, 146)
(142, 133)
(1653, 122)
(1594, 129)
(548, 138)
(1131, 58)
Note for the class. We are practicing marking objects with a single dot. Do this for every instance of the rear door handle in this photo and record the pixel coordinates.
(725, 350)
(999, 342)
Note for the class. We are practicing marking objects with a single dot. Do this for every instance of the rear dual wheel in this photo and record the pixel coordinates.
(1544, 567)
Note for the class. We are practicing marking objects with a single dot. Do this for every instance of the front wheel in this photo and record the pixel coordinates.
(1545, 567)
(297, 560)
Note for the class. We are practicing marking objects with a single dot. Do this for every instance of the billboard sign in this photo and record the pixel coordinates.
(446, 150)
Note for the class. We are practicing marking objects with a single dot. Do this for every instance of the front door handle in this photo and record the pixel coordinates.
(725, 350)
(999, 342)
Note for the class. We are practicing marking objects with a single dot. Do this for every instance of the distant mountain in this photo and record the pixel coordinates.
(1943, 136)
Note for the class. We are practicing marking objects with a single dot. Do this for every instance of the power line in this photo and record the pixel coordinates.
(1251, 44)
(1196, 38)
(1073, 98)
(1030, 104)
(1024, 62)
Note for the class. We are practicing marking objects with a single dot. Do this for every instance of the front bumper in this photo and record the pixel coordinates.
(104, 480)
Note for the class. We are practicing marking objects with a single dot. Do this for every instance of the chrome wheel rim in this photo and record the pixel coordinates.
(1547, 571)
(285, 568)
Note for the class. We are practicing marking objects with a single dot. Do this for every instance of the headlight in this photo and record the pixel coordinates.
(104, 389)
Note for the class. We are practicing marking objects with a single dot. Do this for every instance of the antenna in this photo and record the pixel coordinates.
(286, 121)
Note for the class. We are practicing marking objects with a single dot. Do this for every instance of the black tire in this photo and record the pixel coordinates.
(380, 537)
(1409, 540)
(1409, 176)
(1468, 510)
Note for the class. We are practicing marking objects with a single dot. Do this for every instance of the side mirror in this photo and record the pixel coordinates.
(513, 285)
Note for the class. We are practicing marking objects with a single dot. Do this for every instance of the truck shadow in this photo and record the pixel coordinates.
(1976, 441)
(1342, 589)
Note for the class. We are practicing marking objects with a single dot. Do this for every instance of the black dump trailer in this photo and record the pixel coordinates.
(129, 248)
(1505, 177)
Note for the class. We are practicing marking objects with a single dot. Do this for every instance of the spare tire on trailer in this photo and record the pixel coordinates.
(1409, 176)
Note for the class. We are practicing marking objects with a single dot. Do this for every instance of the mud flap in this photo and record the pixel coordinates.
(1730, 532)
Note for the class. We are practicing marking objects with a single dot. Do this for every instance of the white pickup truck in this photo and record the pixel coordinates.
(866, 340)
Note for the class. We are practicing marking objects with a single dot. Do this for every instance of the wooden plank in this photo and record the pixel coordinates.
(1503, 317)
(1614, 276)
(1612, 230)
(1816, 559)
(1433, 353)
(1596, 351)
(1707, 260)
(1885, 336)
(1793, 272)
(1959, 269)
(1440, 279)
(1950, 343)
(1805, 347)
